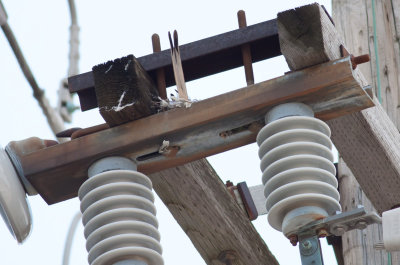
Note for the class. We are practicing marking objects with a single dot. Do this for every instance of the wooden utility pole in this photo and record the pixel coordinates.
(370, 27)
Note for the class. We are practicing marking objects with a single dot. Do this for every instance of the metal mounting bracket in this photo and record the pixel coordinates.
(308, 235)
(310, 250)
(341, 222)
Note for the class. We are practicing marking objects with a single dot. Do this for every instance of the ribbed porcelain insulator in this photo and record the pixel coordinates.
(119, 217)
(297, 171)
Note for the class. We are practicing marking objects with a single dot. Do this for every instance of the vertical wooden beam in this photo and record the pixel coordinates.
(356, 22)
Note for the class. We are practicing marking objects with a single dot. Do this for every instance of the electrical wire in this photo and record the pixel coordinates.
(53, 118)
(65, 105)
(37, 92)
(74, 40)
(72, 11)
(70, 236)
(72, 70)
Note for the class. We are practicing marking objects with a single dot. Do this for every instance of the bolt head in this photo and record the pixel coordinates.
(339, 230)
(361, 225)
(307, 244)
(229, 183)
(322, 233)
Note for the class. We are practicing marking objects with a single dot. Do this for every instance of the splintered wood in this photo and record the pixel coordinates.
(177, 66)
(124, 91)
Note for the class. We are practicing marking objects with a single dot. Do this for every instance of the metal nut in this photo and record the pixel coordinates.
(361, 225)
(293, 239)
(339, 230)
(322, 233)
(307, 244)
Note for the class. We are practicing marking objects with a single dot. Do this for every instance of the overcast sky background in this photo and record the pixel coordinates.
(112, 29)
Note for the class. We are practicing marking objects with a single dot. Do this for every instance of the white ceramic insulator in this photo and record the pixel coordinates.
(14, 206)
(298, 171)
(119, 217)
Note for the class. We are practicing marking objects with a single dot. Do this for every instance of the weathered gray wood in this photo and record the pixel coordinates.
(387, 55)
(358, 244)
(208, 214)
(307, 37)
(368, 141)
(354, 242)
(124, 91)
(370, 144)
(359, 37)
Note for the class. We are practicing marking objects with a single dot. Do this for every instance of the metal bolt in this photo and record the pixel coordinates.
(155, 39)
(225, 134)
(242, 19)
(339, 230)
(361, 225)
(322, 233)
(293, 239)
(246, 52)
(356, 60)
(229, 184)
(230, 187)
(307, 244)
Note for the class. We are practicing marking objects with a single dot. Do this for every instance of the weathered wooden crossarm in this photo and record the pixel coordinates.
(199, 59)
(207, 127)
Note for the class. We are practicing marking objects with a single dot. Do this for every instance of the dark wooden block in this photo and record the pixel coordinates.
(124, 91)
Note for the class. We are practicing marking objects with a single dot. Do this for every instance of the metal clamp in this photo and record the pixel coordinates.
(340, 223)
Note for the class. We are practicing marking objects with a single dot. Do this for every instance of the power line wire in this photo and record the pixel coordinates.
(53, 118)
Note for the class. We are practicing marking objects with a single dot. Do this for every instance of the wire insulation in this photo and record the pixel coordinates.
(70, 236)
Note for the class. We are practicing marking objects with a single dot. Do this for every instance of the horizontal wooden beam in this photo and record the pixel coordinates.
(368, 141)
(207, 127)
(199, 59)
